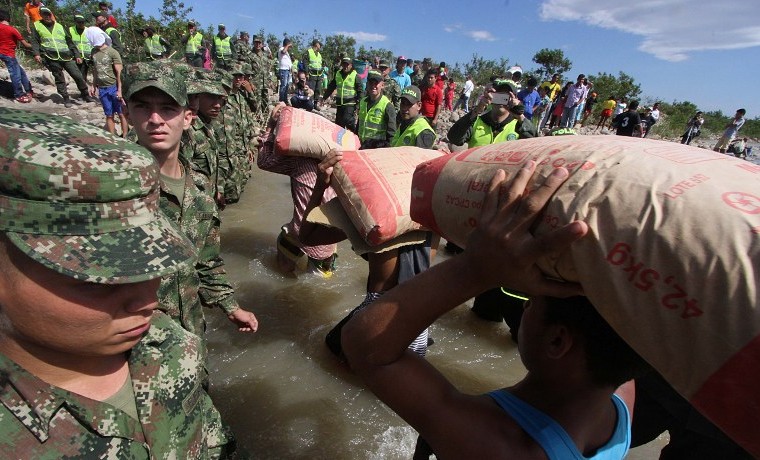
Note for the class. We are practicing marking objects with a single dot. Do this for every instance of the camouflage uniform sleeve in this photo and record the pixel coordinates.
(215, 289)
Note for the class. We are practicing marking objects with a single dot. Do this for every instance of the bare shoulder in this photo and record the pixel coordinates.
(474, 426)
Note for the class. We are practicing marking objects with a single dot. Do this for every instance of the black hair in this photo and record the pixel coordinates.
(633, 105)
(610, 361)
(532, 81)
(4, 16)
(742, 111)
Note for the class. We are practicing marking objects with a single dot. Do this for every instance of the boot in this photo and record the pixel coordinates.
(87, 98)
(67, 102)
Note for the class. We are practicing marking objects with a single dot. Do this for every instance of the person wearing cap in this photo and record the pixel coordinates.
(413, 128)
(432, 98)
(284, 66)
(105, 8)
(157, 107)
(156, 47)
(101, 20)
(206, 97)
(52, 47)
(515, 74)
(495, 125)
(222, 50)
(261, 66)
(84, 48)
(10, 37)
(194, 49)
(391, 89)
(442, 76)
(313, 65)
(348, 92)
(91, 367)
(106, 83)
(242, 48)
(377, 116)
(303, 95)
(399, 73)
(234, 131)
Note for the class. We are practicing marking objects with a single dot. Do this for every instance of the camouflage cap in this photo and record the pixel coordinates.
(204, 81)
(247, 68)
(238, 68)
(83, 202)
(224, 77)
(374, 75)
(167, 78)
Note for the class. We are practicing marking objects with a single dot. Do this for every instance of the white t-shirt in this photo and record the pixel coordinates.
(284, 59)
(468, 87)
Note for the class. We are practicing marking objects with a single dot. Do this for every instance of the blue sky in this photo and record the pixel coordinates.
(703, 51)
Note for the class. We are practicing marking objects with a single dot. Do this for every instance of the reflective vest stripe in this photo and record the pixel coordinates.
(373, 121)
(194, 43)
(223, 48)
(83, 45)
(53, 42)
(409, 136)
(315, 63)
(482, 134)
(154, 46)
(345, 90)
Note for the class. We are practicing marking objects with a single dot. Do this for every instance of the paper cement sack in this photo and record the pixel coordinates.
(374, 187)
(672, 259)
(302, 133)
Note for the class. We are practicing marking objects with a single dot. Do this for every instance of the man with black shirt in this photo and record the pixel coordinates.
(629, 122)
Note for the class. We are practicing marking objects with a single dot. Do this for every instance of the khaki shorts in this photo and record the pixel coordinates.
(723, 143)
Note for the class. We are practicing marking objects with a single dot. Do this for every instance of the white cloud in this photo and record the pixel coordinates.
(480, 35)
(452, 27)
(670, 29)
(363, 37)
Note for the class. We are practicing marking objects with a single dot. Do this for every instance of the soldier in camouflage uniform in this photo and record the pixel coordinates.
(206, 97)
(261, 77)
(90, 368)
(157, 107)
(235, 133)
(391, 89)
(243, 49)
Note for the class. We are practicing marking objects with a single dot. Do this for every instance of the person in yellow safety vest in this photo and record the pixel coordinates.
(414, 129)
(156, 46)
(348, 92)
(84, 48)
(193, 41)
(222, 50)
(52, 46)
(312, 61)
(503, 122)
(377, 116)
(101, 20)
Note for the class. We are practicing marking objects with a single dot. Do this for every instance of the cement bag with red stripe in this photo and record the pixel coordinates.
(672, 259)
(306, 134)
(374, 188)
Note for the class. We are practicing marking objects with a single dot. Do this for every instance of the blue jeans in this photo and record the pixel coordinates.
(568, 117)
(284, 80)
(19, 79)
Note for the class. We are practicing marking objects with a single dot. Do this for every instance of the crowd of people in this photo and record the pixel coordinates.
(122, 262)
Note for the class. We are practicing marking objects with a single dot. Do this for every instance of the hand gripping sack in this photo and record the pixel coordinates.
(671, 260)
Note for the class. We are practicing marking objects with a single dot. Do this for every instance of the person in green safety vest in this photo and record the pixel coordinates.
(503, 122)
(156, 46)
(312, 61)
(348, 92)
(377, 116)
(222, 49)
(194, 49)
(52, 46)
(84, 48)
(414, 129)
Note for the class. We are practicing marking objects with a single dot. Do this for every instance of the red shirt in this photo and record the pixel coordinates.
(431, 98)
(9, 38)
